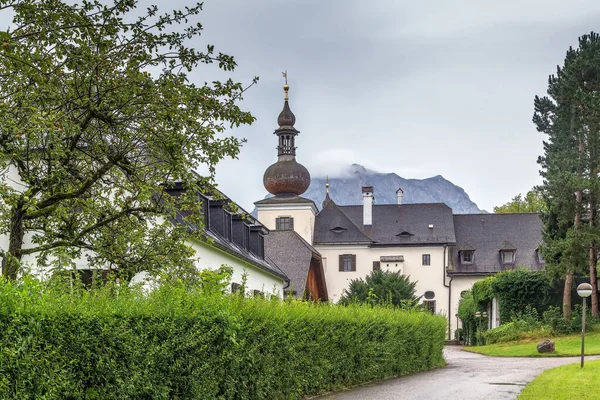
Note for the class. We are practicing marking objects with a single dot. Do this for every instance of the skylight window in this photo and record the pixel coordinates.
(405, 234)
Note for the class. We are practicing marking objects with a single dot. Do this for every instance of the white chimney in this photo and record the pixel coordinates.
(399, 194)
(367, 193)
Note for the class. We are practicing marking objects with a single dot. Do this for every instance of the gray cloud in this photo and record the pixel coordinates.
(417, 88)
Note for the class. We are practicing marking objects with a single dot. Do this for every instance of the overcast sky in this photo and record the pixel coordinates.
(419, 88)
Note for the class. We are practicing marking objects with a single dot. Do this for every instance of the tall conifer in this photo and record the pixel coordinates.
(570, 116)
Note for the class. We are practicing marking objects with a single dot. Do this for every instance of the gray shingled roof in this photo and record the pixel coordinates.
(332, 225)
(489, 233)
(406, 224)
(292, 255)
(215, 239)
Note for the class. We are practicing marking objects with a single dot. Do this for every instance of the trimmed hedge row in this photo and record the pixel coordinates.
(173, 344)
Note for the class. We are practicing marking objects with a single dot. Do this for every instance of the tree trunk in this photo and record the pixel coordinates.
(569, 275)
(567, 295)
(593, 281)
(593, 250)
(12, 260)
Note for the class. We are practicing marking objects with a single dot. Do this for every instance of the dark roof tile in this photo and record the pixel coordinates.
(393, 224)
(487, 234)
(292, 254)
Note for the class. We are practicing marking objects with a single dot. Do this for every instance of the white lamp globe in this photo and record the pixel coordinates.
(584, 290)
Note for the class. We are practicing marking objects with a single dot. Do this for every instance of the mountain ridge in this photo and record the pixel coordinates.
(346, 190)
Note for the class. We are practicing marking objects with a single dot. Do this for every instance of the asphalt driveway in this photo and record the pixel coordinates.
(467, 376)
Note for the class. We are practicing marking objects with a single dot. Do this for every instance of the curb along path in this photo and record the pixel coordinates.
(468, 376)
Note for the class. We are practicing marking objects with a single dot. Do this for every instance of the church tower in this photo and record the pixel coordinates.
(286, 180)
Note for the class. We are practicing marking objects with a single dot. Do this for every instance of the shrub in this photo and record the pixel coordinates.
(515, 330)
(178, 343)
(382, 287)
(467, 307)
(518, 289)
(554, 319)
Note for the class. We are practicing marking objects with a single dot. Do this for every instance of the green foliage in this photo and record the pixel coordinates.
(558, 325)
(482, 290)
(116, 342)
(98, 116)
(533, 202)
(472, 328)
(523, 326)
(569, 117)
(382, 287)
(521, 289)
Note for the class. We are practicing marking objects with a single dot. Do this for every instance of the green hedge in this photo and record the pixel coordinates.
(171, 343)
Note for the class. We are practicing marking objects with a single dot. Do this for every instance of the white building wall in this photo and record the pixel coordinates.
(304, 218)
(210, 257)
(459, 284)
(428, 277)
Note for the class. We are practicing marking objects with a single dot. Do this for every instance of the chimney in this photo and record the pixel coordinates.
(399, 194)
(367, 193)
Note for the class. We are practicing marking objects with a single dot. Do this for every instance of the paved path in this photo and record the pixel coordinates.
(467, 376)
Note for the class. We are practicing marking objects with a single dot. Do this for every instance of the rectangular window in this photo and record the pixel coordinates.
(376, 265)
(426, 259)
(430, 305)
(347, 262)
(235, 287)
(227, 227)
(508, 257)
(284, 223)
(261, 246)
(246, 237)
(466, 257)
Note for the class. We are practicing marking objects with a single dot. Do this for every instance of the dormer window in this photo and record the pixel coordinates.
(507, 253)
(538, 256)
(466, 256)
(466, 253)
(227, 226)
(508, 256)
(338, 229)
(246, 237)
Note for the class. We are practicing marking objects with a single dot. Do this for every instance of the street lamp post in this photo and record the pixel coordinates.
(584, 291)
(479, 315)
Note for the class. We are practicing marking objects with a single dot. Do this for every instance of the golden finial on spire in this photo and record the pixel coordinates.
(285, 87)
(327, 184)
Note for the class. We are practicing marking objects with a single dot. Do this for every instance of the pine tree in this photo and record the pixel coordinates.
(570, 116)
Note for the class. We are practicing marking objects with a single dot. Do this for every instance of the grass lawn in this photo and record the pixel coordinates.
(566, 382)
(564, 346)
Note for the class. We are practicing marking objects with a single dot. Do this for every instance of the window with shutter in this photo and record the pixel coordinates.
(376, 265)
(347, 262)
(284, 223)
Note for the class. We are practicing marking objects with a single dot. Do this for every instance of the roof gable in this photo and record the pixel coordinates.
(292, 254)
(333, 226)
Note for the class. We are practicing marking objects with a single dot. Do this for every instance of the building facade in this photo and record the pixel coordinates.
(444, 253)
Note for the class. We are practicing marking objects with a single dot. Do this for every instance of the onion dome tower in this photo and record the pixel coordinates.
(286, 176)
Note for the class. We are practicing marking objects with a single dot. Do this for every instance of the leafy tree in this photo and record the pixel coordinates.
(570, 116)
(532, 202)
(97, 117)
(381, 287)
